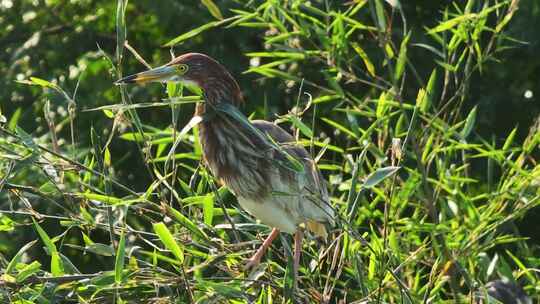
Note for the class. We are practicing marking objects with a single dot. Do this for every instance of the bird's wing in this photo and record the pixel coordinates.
(311, 184)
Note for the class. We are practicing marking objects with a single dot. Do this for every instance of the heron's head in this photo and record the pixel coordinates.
(197, 69)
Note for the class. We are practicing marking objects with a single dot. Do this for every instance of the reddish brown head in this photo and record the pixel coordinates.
(194, 68)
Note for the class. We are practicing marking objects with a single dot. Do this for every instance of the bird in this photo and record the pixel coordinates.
(506, 292)
(273, 178)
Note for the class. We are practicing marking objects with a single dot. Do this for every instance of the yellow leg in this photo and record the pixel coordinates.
(256, 258)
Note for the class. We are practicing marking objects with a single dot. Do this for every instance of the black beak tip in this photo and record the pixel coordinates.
(126, 80)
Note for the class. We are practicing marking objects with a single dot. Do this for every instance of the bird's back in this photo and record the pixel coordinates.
(259, 169)
(301, 192)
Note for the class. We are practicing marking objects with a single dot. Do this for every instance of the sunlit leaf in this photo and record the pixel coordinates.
(369, 66)
(168, 240)
(469, 124)
(212, 8)
(186, 222)
(446, 25)
(378, 176)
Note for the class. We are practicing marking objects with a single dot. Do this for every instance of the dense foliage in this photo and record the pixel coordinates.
(422, 117)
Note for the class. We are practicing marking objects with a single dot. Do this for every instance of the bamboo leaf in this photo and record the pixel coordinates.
(28, 271)
(451, 23)
(192, 33)
(339, 127)
(291, 55)
(378, 176)
(200, 29)
(509, 140)
(110, 200)
(120, 27)
(326, 98)
(421, 100)
(119, 260)
(304, 129)
(168, 240)
(57, 268)
(369, 66)
(208, 209)
(166, 102)
(381, 19)
(430, 91)
(186, 222)
(213, 9)
(382, 105)
(195, 120)
(469, 124)
(402, 58)
(17, 257)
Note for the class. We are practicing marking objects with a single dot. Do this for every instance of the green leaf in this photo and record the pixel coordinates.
(212, 8)
(119, 260)
(107, 157)
(326, 98)
(168, 240)
(186, 222)
(402, 58)
(100, 249)
(43, 83)
(291, 55)
(421, 100)
(430, 91)
(135, 136)
(28, 270)
(57, 268)
(381, 19)
(528, 272)
(382, 105)
(451, 23)
(509, 140)
(6, 223)
(339, 127)
(166, 103)
(469, 124)
(120, 27)
(192, 33)
(208, 209)
(378, 176)
(108, 113)
(12, 124)
(369, 66)
(18, 256)
(110, 200)
(304, 129)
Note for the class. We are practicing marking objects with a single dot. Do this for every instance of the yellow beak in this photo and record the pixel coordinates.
(159, 74)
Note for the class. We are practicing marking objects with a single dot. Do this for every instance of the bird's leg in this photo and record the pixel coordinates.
(256, 258)
(298, 237)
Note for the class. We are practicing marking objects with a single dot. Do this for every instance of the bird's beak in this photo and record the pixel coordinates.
(159, 74)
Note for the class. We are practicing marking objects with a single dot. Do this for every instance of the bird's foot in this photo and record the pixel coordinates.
(255, 260)
(252, 262)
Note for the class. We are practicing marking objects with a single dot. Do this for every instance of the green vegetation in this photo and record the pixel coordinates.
(421, 116)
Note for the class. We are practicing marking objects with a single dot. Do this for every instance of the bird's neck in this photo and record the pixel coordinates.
(221, 89)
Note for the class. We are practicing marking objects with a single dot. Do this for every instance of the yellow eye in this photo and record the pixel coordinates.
(182, 68)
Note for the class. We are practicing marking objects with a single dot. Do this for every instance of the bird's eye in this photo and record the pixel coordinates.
(182, 68)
